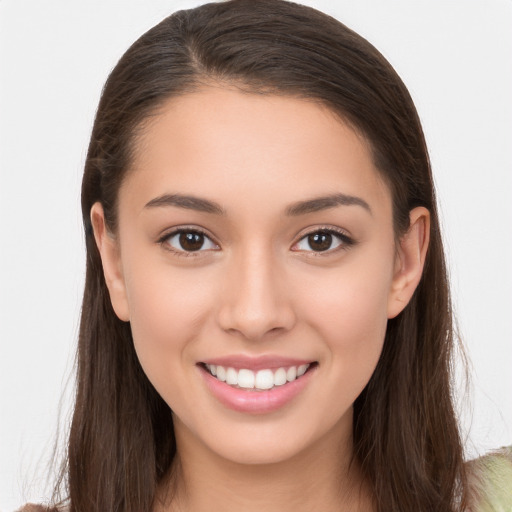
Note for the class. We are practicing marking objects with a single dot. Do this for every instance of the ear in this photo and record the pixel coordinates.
(111, 261)
(410, 259)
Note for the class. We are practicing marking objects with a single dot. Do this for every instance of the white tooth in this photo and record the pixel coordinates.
(246, 379)
(301, 370)
(232, 376)
(264, 379)
(291, 373)
(221, 373)
(280, 377)
(213, 369)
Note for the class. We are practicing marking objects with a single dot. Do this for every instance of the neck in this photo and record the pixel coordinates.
(323, 477)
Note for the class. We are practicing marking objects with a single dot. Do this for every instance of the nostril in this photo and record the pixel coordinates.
(255, 321)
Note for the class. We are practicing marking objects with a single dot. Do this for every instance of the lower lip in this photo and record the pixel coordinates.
(252, 401)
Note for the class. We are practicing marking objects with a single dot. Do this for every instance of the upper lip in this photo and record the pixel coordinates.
(240, 361)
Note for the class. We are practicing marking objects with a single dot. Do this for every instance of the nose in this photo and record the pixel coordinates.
(255, 302)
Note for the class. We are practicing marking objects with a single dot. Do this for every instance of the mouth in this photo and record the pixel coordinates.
(257, 385)
(264, 379)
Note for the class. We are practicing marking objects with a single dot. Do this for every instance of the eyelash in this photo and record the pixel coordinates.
(164, 241)
(345, 242)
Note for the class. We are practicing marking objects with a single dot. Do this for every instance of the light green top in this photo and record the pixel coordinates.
(490, 482)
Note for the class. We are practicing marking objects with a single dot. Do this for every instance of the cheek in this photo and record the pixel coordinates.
(352, 296)
(349, 311)
(167, 311)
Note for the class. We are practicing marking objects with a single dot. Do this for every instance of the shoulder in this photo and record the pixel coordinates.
(490, 482)
(30, 507)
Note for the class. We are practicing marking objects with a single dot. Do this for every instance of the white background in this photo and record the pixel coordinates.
(454, 55)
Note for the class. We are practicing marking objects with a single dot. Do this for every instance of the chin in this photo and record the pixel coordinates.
(259, 452)
(276, 442)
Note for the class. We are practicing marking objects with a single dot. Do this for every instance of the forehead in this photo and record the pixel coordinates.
(230, 144)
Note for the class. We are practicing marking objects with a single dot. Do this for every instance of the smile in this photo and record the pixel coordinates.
(269, 385)
(261, 380)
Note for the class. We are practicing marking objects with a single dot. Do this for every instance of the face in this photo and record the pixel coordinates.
(256, 262)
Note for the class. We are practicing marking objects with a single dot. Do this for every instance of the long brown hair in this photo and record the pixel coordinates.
(406, 436)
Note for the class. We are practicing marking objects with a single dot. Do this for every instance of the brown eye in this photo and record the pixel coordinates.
(320, 241)
(189, 241)
(323, 240)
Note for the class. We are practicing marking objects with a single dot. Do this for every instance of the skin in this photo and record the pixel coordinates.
(259, 288)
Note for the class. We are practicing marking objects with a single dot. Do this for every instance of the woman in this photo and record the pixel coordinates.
(266, 321)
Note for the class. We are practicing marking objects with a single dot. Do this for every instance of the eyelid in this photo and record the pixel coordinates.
(347, 241)
(171, 232)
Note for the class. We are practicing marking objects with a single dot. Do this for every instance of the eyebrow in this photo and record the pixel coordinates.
(299, 208)
(323, 203)
(188, 202)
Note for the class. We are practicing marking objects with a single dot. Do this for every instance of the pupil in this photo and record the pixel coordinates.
(320, 241)
(191, 241)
